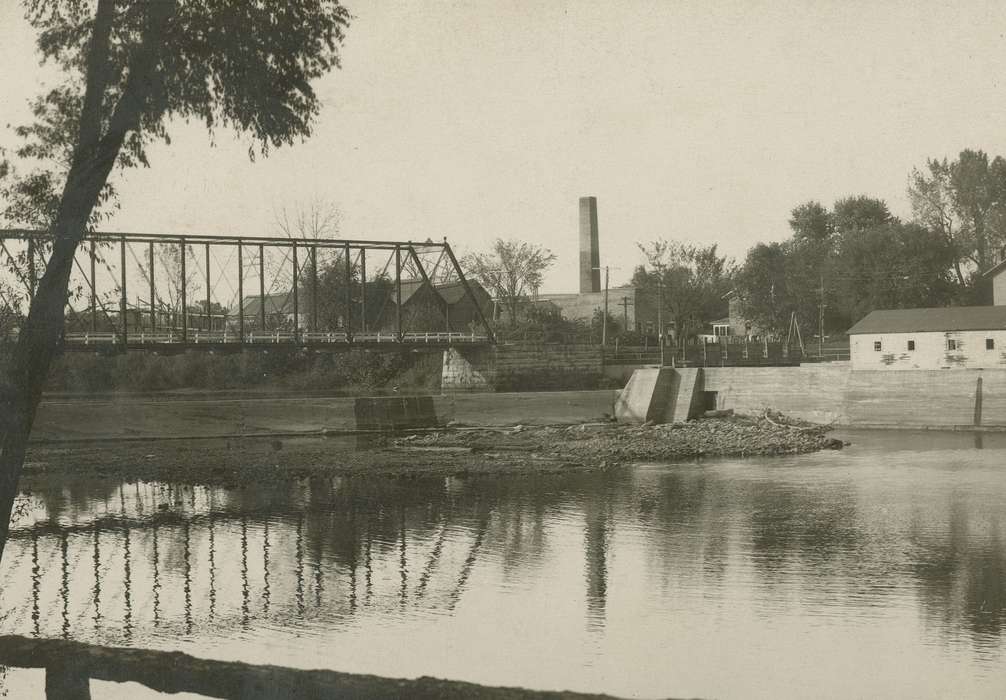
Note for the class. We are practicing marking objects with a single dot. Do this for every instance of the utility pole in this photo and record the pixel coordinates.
(625, 313)
(604, 319)
(820, 320)
(660, 317)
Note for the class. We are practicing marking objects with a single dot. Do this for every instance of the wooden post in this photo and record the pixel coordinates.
(978, 402)
(66, 683)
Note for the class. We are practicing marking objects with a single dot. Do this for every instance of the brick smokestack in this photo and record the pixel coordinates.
(590, 255)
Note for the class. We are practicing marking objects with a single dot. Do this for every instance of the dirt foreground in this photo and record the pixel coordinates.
(453, 451)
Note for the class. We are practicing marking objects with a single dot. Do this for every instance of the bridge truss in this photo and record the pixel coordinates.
(141, 291)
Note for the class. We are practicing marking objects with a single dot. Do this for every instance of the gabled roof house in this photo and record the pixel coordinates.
(955, 337)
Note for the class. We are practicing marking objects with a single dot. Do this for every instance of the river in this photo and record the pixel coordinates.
(876, 571)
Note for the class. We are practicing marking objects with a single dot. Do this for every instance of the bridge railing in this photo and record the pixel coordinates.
(70, 666)
(110, 339)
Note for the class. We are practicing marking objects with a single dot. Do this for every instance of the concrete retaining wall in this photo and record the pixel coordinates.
(510, 367)
(833, 392)
(812, 392)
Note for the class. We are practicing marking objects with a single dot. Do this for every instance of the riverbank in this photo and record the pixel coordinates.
(459, 451)
(208, 414)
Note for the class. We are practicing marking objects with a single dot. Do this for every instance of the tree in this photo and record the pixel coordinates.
(687, 282)
(860, 212)
(510, 271)
(838, 264)
(811, 222)
(318, 219)
(170, 257)
(890, 266)
(964, 202)
(761, 285)
(131, 67)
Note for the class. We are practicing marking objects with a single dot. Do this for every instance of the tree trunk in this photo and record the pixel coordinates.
(93, 159)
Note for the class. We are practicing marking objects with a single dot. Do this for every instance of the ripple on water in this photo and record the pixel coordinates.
(720, 578)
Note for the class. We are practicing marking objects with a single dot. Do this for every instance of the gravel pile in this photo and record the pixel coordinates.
(612, 443)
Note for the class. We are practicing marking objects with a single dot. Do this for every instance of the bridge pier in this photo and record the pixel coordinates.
(522, 367)
(468, 369)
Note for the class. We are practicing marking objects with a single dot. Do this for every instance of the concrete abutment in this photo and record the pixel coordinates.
(522, 368)
(661, 395)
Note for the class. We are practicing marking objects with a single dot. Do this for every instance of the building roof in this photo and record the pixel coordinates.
(279, 303)
(955, 318)
(995, 269)
(998, 267)
(454, 292)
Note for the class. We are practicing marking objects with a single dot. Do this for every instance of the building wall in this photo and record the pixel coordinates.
(930, 350)
(999, 289)
(583, 306)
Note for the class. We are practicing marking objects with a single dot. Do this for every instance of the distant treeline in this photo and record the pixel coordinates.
(841, 263)
(857, 256)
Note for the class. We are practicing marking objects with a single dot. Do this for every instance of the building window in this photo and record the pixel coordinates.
(911, 345)
(876, 346)
(951, 344)
(990, 344)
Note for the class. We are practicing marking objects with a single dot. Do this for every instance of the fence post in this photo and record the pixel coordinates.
(66, 683)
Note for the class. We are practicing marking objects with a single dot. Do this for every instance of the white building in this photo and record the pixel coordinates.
(963, 337)
(996, 278)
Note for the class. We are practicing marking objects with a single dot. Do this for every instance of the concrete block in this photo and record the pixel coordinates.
(395, 412)
(645, 396)
(685, 398)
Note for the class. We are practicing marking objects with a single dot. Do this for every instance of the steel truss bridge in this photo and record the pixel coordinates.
(141, 291)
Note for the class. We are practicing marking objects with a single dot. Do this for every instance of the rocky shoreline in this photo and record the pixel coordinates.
(453, 451)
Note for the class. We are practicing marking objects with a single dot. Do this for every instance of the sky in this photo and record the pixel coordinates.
(704, 121)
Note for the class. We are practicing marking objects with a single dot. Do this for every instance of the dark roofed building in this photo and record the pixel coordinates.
(970, 337)
(444, 307)
(279, 312)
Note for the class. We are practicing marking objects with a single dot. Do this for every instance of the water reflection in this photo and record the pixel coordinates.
(665, 552)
